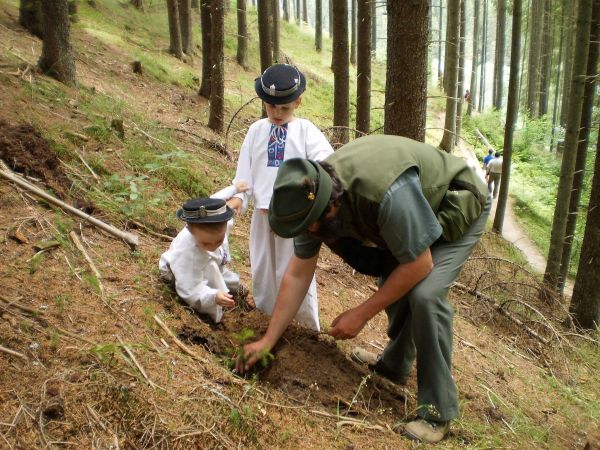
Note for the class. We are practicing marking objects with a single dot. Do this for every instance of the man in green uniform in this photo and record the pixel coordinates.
(394, 208)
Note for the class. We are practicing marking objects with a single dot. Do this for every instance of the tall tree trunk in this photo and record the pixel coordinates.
(242, 41)
(353, 34)
(475, 61)
(175, 47)
(461, 69)
(582, 146)
(524, 51)
(138, 4)
(484, 40)
(512, 114)
(286, 10)
(185, 23)
(30, 17)
(585, 303)
(440, 74)
(57, 54)
(535, 50)
(406, 73)
(330, 18)
(217, 89)
(264, 34)
(363, 67)
(571, 11)
(205, 24)
(557, 80)
(547, 47)
(451, 74)
(341, 67)
(374, 27)
(500, 50)
(318, 25)
(276, 30)
(304, 12)
(298, 12)
(559, 222)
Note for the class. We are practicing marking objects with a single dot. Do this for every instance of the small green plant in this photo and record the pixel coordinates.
(241, 419)
(242, 338)
(35, 261)
(61, 301)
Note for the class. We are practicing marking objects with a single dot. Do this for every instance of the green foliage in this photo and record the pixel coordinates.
(62, 301)
(241, 419)
(35, 261)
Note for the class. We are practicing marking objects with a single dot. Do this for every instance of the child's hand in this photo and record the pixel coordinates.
(224, 299)
(235, 204)
(241, 186)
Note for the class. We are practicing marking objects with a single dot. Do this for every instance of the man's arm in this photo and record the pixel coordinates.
(293, 289)
(404, 277)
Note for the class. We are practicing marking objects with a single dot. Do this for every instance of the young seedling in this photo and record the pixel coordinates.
(242, 338)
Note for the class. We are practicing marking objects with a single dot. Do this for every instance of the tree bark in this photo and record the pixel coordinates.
(264, 35)
(137, 4)
(559, 222)
(484, 33)
(30, 17)
(571, 10)
(242, 40)
(363, 68)
(461, 70)
(451, 74)
(512, 114)
(298, 12)
(557, 80)
(341, 67)
(585, 303)
(175, 46)
(286, 10)
(440, 40)
(57, 54)
(500, 51)
(185, 23)
(318, 25)
(406, 74)
(330, 18)
(353, 34)
(205, 23)
(582, 146)
(217, 88)
(533, 66)
(547, 47)
(276, 31)
(304, 12)
(475, 61)
(374, 27)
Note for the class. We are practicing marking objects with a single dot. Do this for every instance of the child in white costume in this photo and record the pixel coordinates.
(268, 143)
(197, 257)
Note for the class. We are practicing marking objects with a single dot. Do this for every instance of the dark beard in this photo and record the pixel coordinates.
(328, 229)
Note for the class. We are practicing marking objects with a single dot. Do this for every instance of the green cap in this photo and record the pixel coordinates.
(300, 195)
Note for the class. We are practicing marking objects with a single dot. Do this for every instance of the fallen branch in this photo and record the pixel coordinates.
(129, 238)
(137, 364)
(80, 247)
(12, 352)
(178, 342)
(483, 139)
(14, 304)
(461, 287)
(150, 231)
(88, 167)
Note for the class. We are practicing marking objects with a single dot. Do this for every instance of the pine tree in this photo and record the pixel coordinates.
(451, 74)
(475, 61)
(363, 67)
(341, 60)
(242, 40)
(185, 24)
(57, 54)
(175, 47)
(318, 25)
(205, 23)
(217, 88)
(499, 61)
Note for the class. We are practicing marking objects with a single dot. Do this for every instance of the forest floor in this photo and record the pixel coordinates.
(92, 367)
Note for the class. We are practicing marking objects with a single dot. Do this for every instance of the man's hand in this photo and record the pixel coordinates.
(348, 324)
(253, 352)
(224, 299)
(235, 203)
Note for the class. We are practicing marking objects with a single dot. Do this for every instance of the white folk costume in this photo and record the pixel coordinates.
(265, 147)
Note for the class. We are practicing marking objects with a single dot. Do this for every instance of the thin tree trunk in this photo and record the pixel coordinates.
(484, 34)
(461, 70)
(535, 50)
(406, 74)
(451, 74)
(264, 35)
(582, 146)
(475, 61)
(439, 46)
(242, 41)
(341, 69)
(374, 28)
(175, 46)
(547, 47)
(353, 34)
(559, 223)
(330, 18)
(524, 51)
(304, 12)
(205, 23)
(571, 10)
(30, 17)
(318, 25)
(217, 89)
(276, 31)
(363, 68)
(500, 50)
(286, 10)
(185, 23)
(57, 54)
(298, 12)
(557, 80)
(585, 304)
(512, 113)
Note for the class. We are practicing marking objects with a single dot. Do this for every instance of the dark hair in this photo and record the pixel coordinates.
(498, 154)
(490, 151)
(337, 190)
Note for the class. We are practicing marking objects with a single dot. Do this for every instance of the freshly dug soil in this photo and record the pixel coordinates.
(307, 366)
(24, 150)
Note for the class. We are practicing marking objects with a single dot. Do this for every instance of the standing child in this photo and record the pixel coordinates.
(269, 142)
(196, 260)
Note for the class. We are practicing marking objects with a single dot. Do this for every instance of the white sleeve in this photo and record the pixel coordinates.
(244, 167)
(225, 193)
(317, 146)
(191, 282)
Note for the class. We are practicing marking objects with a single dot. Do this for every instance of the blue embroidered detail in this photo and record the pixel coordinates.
(276, 146)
